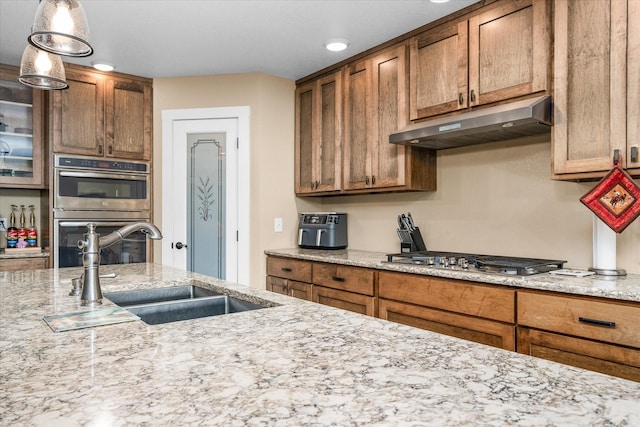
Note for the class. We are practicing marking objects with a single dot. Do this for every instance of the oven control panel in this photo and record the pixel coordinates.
(101, 164)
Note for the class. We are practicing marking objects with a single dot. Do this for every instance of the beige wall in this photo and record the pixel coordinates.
(271, 101)
(496, 198)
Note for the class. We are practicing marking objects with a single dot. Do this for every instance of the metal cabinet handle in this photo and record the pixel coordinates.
(460, 98)
(634, 153)
(317, 184)
(616, 156)
(597, 322)
(338, 279)
(366, 180)
(111, 149)
(286, 269)
(373, 180)
(100, 149)
(473, 95)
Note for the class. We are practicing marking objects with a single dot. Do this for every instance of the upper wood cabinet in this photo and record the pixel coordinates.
(375, 106)
(22, 136)
(500, 53)
(319, 135)
(102, 115)
(596, 87)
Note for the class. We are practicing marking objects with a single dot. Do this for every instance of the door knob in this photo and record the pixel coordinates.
(180, 245)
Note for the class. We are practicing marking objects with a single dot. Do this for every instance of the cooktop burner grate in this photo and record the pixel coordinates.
(488, 263)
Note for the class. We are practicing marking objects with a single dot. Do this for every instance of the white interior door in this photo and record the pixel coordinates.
(184, 130)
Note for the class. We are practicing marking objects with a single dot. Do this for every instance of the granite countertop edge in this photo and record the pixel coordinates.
(7, 254)
(626, 288)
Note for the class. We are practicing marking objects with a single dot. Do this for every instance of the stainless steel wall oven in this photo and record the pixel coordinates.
(111, 193)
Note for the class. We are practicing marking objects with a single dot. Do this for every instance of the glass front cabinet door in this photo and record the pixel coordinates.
(21, 132)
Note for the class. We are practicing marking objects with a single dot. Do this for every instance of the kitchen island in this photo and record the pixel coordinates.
(298, 363)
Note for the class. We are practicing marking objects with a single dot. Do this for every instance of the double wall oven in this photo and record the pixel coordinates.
(108, 192)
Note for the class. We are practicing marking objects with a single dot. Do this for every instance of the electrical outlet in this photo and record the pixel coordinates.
(277, 225)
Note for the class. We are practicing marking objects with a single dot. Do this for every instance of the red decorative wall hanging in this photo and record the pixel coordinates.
(615, 200)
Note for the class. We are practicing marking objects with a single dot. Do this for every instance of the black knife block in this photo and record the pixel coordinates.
(416, 245)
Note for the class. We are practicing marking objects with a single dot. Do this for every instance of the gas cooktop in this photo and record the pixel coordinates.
(475, 262)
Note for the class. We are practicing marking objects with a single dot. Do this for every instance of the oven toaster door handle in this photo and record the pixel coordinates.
(103, 175)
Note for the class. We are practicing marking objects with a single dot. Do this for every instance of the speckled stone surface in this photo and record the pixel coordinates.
(623, 288)
(294, 364)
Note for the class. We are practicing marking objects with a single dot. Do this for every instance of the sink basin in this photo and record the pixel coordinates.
(172, 304)
(148, 296)
(174, 311)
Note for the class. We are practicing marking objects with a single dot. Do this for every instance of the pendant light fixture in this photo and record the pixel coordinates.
(61, 27)
(42, 70)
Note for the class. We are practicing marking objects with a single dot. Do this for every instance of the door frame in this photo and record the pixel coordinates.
(242, 114)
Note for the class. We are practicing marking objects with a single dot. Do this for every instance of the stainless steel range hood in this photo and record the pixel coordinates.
(507, 121)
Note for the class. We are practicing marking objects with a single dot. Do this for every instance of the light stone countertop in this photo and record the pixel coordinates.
(626, 288)
(296, 364)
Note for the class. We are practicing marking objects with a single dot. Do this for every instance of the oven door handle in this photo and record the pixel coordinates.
(103, 175)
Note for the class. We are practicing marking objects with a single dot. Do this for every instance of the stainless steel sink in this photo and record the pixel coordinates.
(149, 296)
(173, 304)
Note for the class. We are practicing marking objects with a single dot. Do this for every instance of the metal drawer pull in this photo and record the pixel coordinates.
(338, 279)
(287, 269)
(597, 322)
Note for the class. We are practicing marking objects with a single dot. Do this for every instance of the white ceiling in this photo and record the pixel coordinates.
(183, 38)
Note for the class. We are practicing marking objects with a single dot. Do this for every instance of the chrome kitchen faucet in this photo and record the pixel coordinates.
(91, 245)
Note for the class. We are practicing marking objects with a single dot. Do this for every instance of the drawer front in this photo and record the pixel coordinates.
(583, 317)
(345, 278)
(357, 303)
(457, 296)
(289, 269)
(489, 332)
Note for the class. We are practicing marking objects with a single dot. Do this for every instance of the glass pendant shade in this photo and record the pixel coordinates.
(61, 27)
(42, 70)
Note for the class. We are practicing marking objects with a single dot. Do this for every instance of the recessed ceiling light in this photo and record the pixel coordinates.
(102, 66)
(336, 45)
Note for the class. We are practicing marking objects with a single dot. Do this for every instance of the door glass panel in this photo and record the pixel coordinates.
(206, 204)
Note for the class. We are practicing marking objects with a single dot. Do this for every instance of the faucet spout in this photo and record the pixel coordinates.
(91, 245)
(146, 227)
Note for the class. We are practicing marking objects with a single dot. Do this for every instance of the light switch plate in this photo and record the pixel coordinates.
(277, 225)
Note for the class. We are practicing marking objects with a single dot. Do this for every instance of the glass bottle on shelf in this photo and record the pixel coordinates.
(20, 132)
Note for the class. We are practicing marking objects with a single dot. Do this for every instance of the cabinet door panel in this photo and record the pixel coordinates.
(589, 75)
(304, 179)
(357, 161)
(487, 332)
(301, 290)
(318, 158)
(389, 101)
(278, 285)
(128, 125)
(605, 358)
(633, 89)
(78, 115)
(509, 51)
(438, 77)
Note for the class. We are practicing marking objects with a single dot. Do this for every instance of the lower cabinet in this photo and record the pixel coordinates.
(472, 311)
(345, 287)
(289, 277)
(22, 264)
(590, 333)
